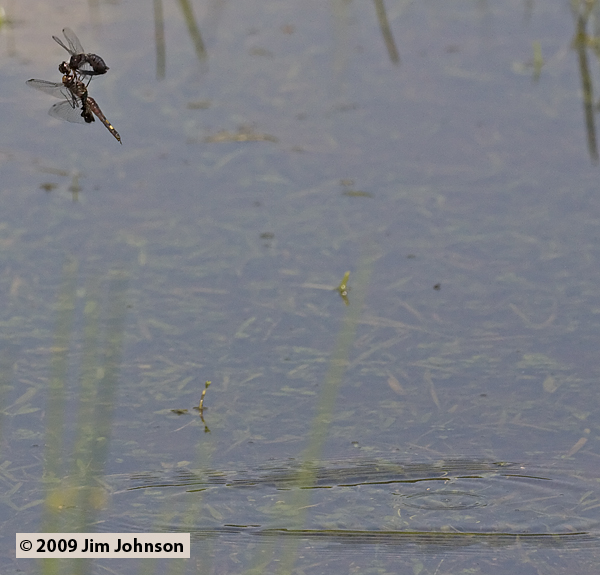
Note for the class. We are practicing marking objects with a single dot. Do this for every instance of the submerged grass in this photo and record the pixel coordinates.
(73, 492)
(306, 476)
(55, 409)
(298, 500)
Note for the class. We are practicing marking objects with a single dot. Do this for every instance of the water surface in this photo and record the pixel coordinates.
(441, 152)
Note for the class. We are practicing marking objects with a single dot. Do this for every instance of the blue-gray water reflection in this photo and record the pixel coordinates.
(374, 500)
(267, 148)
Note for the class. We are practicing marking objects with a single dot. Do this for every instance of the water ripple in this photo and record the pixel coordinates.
(451, 503)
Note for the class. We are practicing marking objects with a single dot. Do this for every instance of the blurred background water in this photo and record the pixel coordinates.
(444, 153)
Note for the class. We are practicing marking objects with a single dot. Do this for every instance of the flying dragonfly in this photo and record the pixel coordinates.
(77, 105)
(85, 64)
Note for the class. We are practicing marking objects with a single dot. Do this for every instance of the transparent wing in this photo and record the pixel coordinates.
(75, 46)
(59, 41)
(52, 88)
(84, 67)
(65, 111)
(73, 41)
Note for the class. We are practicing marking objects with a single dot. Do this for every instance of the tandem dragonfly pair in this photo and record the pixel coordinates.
(77, 105)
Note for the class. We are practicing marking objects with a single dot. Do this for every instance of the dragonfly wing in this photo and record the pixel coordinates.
(65, 111)
(59, 41)
(86, 69)
(73, 41)
(52, 88)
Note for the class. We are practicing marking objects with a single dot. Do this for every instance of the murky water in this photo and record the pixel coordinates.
(442, 153)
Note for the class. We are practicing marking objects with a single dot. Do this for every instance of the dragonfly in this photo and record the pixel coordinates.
(85, 64)
(77, 105)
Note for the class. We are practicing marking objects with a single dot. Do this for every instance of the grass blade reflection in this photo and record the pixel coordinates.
(299, 499)
(74, 492)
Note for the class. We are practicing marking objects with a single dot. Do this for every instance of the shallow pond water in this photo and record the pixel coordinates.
(371, 496)
(442, 153)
